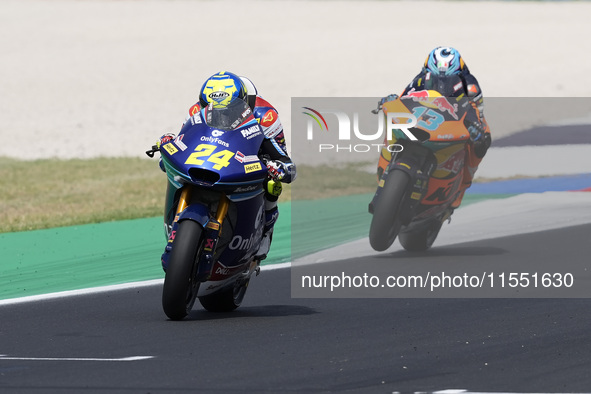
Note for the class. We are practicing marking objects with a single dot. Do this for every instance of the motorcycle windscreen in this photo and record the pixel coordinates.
(229, 117)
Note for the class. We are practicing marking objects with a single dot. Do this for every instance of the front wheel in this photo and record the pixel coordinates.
(386, 221)
(180, 287)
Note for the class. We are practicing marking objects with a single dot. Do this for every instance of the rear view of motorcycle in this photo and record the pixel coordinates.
(214, 215)
(419, 183)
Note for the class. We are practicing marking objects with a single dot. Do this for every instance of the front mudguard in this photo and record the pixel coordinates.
(200, 214)
(196, 212)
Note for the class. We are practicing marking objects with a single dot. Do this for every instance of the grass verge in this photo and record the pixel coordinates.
(53, 193)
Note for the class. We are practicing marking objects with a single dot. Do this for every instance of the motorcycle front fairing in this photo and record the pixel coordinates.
(224, 160)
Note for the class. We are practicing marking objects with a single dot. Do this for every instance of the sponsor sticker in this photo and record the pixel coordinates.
(213, 226)
(218, 96)
(251, 132)
(274, 130)
(239, 242)
(236, 123)
(250, 158)
(252, 167)
(214, 140)
(170, 149)
(196, 119)
(242, 158)
(179, 142)
(244, 189)
(454, 162)
(209, 244)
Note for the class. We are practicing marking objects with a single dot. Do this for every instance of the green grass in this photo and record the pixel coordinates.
(333, 181)
(53, 193)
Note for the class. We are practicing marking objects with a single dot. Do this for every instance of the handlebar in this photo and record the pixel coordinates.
(151, 152)
(378, 109)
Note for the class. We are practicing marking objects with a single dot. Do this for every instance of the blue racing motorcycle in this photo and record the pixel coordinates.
(214, 214)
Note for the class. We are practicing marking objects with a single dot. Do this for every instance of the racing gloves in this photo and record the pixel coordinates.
(276, 170)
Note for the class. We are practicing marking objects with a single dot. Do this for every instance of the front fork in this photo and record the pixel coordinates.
(417, 187)
(212, 229)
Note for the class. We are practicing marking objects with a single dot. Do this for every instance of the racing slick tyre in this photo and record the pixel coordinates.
(180, 287)
(386, 222)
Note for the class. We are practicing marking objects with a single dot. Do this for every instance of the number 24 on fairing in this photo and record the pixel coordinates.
(205, 152)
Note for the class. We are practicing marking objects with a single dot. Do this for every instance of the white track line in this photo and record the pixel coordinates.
(132, 358)
(103, 289)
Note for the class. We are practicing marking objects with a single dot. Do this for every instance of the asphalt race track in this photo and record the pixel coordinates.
(121, 342)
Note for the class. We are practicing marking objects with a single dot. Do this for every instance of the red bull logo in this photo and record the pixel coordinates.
(420, 95)
(440, 102)
(444, 105)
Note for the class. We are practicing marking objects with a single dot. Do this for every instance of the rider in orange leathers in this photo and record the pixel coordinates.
(445, 64)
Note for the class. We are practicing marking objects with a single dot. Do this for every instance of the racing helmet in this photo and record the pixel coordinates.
(221, 89)
(445, 61)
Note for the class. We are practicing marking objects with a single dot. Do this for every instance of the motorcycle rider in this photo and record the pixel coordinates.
(219, 90)
(442, 66)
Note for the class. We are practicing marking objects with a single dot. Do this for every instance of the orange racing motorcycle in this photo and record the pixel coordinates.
(418, 184)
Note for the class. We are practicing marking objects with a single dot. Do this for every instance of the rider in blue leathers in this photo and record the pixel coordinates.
(220, 89)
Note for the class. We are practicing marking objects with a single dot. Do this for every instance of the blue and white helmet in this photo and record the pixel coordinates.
(445, 61)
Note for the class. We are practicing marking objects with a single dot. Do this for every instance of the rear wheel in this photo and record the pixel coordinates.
(225, 300)
(421, 239)
(180, 287)
(386, 221)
